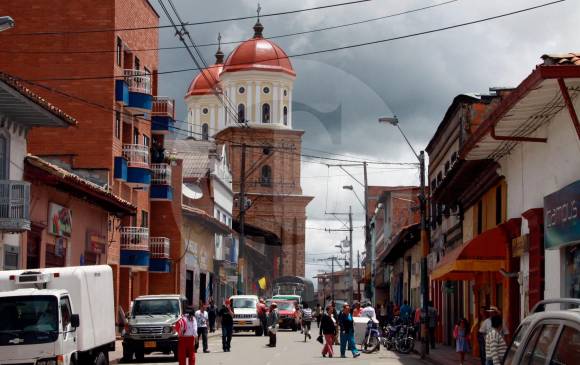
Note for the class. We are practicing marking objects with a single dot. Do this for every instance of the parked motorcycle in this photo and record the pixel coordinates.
(405, 340)
(373, 338)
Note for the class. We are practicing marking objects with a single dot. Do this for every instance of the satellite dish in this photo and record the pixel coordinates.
(192, 191)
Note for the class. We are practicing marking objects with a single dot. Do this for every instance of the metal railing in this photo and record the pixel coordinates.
(159, 247)
(163, 106)
(138, 81)
(135, 238)
(137, 155)
(161, 174)
(14, 205)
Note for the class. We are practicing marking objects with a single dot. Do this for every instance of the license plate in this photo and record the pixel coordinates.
(245, 322)
(150, 344)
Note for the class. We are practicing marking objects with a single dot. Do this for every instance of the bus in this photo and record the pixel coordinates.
(287, 287)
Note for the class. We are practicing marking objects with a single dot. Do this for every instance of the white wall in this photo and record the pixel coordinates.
(534, 170)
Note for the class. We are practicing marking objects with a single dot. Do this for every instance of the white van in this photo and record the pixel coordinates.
(246, 313)
(57, 316)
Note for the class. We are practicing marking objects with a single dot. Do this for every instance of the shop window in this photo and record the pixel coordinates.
(266, 113)
(204, 131)
(498, 207)
(241, 113)
(118, 124)
(266, 177)
(479, 217)
(119, 52)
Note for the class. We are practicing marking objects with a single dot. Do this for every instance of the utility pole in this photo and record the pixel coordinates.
(358, 274)
(368, 242)
(332, 279)
(242, 202)
(425, 253)
(350, 262)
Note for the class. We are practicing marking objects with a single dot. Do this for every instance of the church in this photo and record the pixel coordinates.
(244, 102)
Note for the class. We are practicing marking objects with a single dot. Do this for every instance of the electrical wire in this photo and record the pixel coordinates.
(205, 22)
(213, 44)
(341, 48)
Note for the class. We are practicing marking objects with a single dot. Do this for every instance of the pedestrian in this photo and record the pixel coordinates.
(202, 319)
(263, 316)
(356, 310)
(306, 321)
(298, 316)
(460, 335)
(328, 330)
(273, 324)
(484, 327)
(346, 323)
(211, 314)
(406, 311)
(368, 311)
(227, 315)
(432, 325)
(318, 313)
(495, 346)
(186, 328)
(417, 322)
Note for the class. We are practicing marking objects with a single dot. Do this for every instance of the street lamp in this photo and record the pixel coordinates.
(394, 121)
(349, 187)
(6, 23)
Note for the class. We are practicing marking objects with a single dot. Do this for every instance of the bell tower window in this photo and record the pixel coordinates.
(241, 113)
(285, 112)
(204, 132)
(266, 176)
(266, 113)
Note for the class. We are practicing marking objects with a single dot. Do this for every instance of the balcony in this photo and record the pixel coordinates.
(162, 115)
(134, 91)
(135, 246)
(161, 182)
(138, 171)
(14, 206)
(159, 261)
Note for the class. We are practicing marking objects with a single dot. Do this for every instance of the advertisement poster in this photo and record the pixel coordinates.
(59, 220)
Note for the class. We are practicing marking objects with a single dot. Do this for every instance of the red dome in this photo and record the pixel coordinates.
(259, 54)
(205, 82)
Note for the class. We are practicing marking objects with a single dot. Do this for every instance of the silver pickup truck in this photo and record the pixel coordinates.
(151, 326)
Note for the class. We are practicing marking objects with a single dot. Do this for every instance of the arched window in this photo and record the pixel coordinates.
(204, 131)
(241, 113)
(285, 116)
(266, 178)
(266, 113)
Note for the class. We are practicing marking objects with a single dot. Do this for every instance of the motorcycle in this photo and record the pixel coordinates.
(373, 338)
(405, 339)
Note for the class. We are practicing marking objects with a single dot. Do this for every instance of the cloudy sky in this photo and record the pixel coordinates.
(339, 95)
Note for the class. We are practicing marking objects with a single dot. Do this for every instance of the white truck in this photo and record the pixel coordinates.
(246, 313)
(57, 316)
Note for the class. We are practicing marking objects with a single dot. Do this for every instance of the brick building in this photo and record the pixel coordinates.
(113, 95)
(247, 99)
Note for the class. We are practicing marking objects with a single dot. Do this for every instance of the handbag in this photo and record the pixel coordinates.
(319, 339)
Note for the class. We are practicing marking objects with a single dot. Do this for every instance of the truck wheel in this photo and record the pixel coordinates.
(101, 359)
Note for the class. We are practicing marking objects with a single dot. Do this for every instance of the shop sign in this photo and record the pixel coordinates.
(562, 216)
(520, 245)
(59, 220)
(96, 243)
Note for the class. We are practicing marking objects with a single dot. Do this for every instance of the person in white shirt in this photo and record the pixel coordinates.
(202, 318)
(186, 328)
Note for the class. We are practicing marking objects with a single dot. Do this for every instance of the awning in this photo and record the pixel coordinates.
(487, 252)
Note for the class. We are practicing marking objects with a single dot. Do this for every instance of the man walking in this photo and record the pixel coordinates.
(272, 324)
(263, 316)
(186, 328)
(347, 332)
(211, 313)
(201, 316)
(227, 315)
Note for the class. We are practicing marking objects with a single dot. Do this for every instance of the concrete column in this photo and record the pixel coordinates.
(249, 105)
(258, 108)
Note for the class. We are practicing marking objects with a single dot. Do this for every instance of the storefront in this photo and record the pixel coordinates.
(562, 234)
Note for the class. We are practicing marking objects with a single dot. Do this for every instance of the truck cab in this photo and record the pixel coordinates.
(151, 325)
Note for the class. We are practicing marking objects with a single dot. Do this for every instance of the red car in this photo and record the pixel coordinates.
(287, 312)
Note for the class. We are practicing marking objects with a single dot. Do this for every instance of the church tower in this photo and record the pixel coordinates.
(247, 100)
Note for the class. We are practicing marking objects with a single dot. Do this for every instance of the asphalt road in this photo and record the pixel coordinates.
(291, 350)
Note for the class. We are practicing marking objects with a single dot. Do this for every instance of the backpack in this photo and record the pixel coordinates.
(307, 315)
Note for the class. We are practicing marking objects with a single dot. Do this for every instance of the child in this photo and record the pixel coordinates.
(461, 340)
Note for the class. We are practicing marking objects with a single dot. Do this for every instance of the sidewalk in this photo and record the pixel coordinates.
(445, 355)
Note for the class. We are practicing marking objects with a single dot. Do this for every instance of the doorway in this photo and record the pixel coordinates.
(202, 288)
(33, 247)
(189, 286)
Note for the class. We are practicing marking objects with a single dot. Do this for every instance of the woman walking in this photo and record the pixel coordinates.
(328, 330)
(461, 341)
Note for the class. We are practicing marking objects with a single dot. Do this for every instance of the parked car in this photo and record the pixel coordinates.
(287, 312)
(547, 336)
(246, 313)
(151, 325)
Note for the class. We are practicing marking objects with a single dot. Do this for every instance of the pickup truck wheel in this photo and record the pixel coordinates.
(101, 359)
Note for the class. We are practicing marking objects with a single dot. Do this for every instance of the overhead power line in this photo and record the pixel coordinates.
(341, 48)
(205, 22)
(213, 44)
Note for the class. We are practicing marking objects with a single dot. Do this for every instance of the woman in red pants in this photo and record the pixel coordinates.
(186, 328)
(328, 329)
